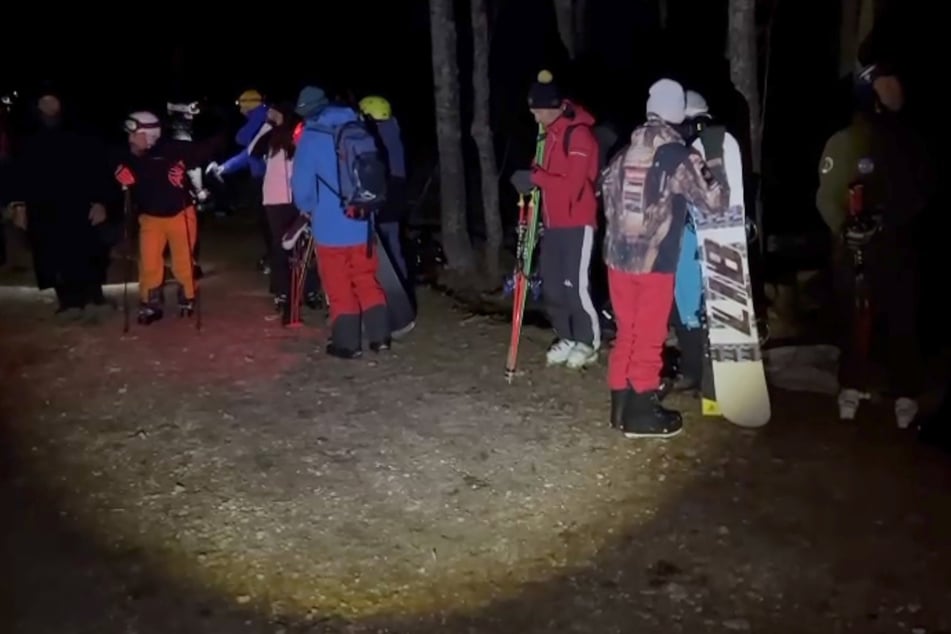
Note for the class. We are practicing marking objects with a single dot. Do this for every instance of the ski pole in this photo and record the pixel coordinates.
(126, 247)
(191, 263)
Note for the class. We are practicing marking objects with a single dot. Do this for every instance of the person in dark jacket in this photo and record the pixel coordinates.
(62, 184)
(566, 178)
(880, 152)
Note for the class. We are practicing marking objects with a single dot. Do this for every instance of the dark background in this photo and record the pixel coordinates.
(140, 61)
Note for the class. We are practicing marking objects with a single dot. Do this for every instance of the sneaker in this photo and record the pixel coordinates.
(559, 352)
(849, 401)
(581, 356)
(906, 410)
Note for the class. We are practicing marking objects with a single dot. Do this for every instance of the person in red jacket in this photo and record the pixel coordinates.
(566, 178)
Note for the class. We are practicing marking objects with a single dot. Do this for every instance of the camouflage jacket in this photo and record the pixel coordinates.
(646, 189)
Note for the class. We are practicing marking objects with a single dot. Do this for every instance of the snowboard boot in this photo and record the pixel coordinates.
(376, 322)
(345, 337)
(150, 310)
(618, 405)
(644, 417)
(558, 352)
(186, 306)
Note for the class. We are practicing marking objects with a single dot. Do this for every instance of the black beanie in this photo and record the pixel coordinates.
(544, 93)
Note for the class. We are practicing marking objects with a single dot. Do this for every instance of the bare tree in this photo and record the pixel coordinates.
(742, 53)
(452, 183)
(663, 13)
(482, 135)
(570, 17)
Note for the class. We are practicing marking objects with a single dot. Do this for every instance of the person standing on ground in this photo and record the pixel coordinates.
(254, 109)
(60, 190)
(347, 263)
(646, 191)
(882, 153)
(566, 177)
(277, 147)
(390, 218)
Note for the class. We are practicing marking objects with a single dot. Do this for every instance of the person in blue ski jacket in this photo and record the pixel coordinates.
(255, 110)
(346, 266)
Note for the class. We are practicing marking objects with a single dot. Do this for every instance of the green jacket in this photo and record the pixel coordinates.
(888, 158)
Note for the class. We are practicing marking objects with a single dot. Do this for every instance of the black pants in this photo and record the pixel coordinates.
(279, 218)
(892, 280)
(564, 264)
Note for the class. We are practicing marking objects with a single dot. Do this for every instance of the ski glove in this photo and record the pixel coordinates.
(215, 170)
(522, 181)
(124, 176)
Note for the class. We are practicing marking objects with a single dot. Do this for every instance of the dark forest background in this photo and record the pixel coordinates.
(384, 48)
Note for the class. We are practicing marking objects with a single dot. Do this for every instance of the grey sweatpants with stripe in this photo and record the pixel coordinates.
(564, 265)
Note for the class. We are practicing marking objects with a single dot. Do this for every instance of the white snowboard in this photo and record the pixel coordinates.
(738, 374)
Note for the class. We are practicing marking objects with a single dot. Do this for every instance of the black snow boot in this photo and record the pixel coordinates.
(280, 302)
(644, 417)
(312, 300)
(345, 337)
(151, 311)
(618, 405)
(186, 306)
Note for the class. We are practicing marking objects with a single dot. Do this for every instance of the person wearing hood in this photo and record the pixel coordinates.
(566, 177)
(61, 188)
(346, 263)
(646, 191)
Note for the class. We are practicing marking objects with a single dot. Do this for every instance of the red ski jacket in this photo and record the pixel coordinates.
(569, 171)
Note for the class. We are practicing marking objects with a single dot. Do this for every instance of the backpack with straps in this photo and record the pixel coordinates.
(711, 137)
(361, 170)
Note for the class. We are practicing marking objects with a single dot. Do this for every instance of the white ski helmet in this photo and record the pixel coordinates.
(144, 121)
(696, 105)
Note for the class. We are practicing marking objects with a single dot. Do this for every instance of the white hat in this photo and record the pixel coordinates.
(667, 101)
(146, 122)
(696, 104)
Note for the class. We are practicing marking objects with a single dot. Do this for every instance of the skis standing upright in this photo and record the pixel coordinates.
(524, 255)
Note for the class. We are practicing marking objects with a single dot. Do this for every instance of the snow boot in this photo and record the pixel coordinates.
(345, 337)
(312, 300)
(376, 323)
(280, 302)
(644, 417)
(150, 311)
(618, 405)
(186, 306)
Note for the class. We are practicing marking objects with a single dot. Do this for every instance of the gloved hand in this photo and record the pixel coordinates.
(522, 181)
(214, 169)
(859, 232)
(125, 177)
(202, 195)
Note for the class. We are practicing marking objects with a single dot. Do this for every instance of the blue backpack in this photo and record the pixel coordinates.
(361, 170)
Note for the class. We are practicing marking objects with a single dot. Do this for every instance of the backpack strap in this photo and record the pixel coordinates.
(712, 137)
(334, 135)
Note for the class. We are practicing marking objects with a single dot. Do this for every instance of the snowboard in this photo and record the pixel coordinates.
(739, 379)
(399, 306)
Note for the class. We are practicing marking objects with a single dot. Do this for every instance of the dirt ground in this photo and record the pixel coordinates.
(235, 479)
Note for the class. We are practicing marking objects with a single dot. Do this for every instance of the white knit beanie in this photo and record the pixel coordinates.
(667, 101)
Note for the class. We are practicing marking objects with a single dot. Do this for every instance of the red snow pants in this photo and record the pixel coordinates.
(641, 303)
(349, 279)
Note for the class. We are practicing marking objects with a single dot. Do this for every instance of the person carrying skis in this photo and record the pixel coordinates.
(646, 191)
(391, 216)
(253, 107)
(157, 171)
(721, 153)
(276, 145)
(882, 154)
(345, 259)
(566, 178)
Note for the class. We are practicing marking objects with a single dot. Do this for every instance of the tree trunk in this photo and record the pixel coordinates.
(858, 19)
(565, 18)
(663, 9)
(482, 135)
(452, 183)
(742, 53)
